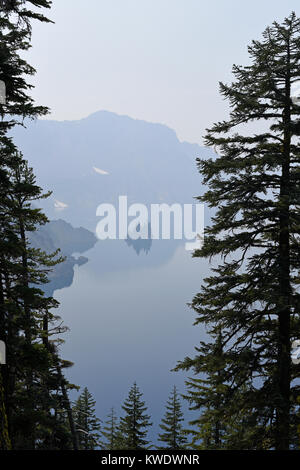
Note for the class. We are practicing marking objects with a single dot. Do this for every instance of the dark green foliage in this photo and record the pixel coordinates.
(15, 36)
(251, 295)
(208, 395)
(5, 443)
(31, 380)
(134, 424)
(173, 436)
(86, 423)
(111, 433)
(34, 388)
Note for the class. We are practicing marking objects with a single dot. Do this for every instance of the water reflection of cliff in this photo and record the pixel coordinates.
(60, 234)
(107, 257)
(140, 244)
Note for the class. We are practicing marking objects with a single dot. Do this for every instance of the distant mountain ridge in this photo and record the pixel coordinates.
(98, 158)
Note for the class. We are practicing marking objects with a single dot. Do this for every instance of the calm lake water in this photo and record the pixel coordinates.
(129, 322)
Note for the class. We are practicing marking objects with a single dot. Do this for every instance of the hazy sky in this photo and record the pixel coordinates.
(157, 60)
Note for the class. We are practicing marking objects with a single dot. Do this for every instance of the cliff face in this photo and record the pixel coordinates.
(60, 234)
(95, 160)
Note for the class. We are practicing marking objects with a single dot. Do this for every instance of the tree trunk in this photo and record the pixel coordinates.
(67, 407)
(284, 375)
(5, 443)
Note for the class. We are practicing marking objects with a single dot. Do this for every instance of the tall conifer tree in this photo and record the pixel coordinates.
(111, 432)
(173, 435)
(134, 424)
(86, 422)
(33, 384)
(208, 395)
(254, 185)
